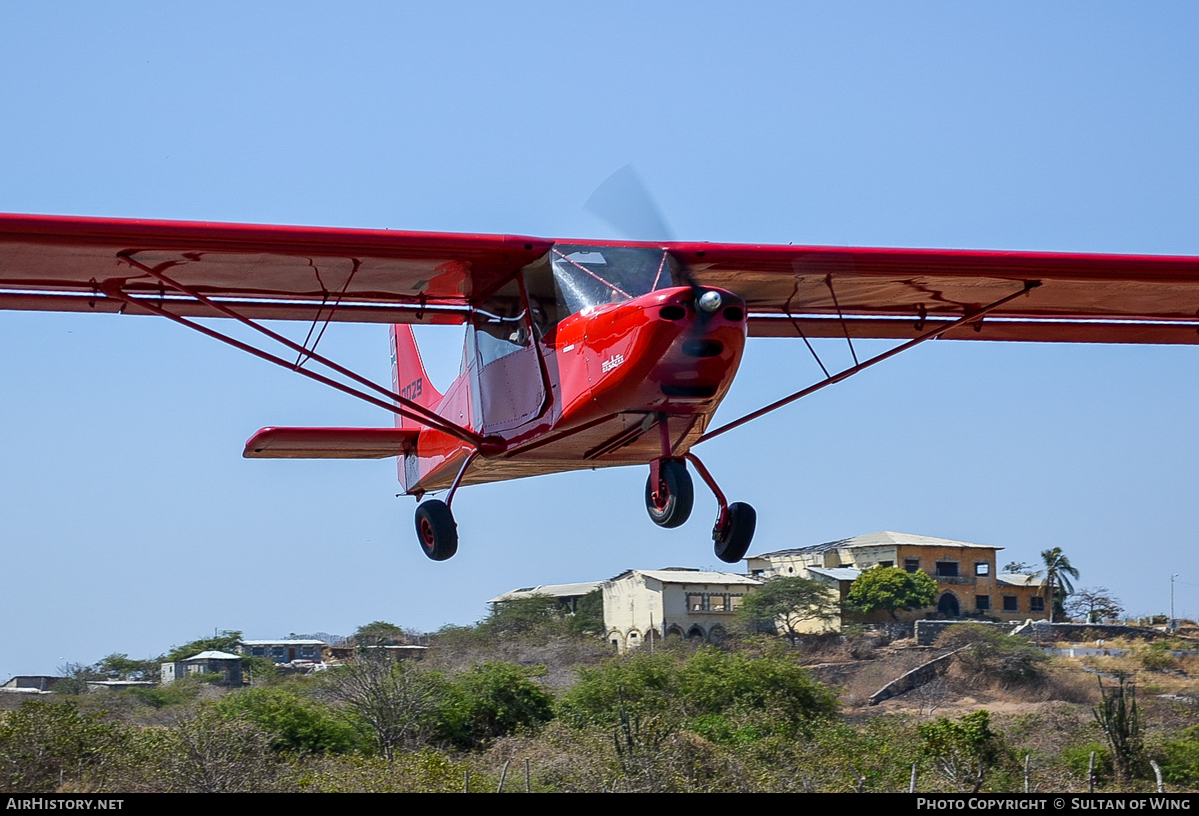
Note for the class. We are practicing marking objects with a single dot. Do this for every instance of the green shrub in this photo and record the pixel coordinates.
(690, 689)
(1155, 656)
(891, 589)
(991, 653)
(965, 750)
(181, 692)
(421, 772)
(295, 723)
(42, 744)
(491, 700)
(1077, 758)
(1180, 759)
(838, 756)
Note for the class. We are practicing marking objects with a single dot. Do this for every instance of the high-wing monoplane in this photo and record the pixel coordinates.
(579, 354)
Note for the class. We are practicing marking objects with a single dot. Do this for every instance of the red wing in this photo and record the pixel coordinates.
(270, 272)
(328, 443)
(308, 273)
(1083, 298)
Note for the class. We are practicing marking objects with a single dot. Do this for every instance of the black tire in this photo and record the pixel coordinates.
(732, 546)
(676, 495)
(436, 530)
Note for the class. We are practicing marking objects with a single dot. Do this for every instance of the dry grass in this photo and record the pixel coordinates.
(561, 656)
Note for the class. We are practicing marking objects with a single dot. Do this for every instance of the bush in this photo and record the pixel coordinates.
(226, 641)
(1180, 759)
(421, 772)
(890, 589)
(295, 723)
(588, 618)
(393, 701)
(42, 744)
(540, 616)
(689, 690)
(207, 752)
(1156, 656)
(181, 692)
(964, 751)
(1077, 758)
(491, 700)
(990, 653)
(839, 756)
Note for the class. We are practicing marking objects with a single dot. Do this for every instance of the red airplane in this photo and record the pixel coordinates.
(579, 354)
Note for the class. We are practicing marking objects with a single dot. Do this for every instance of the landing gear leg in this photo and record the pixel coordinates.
(735, 525)
(669, 493)
(436, 529)
(669, 498)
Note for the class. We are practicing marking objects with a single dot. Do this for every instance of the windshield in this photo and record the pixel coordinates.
(592, 276)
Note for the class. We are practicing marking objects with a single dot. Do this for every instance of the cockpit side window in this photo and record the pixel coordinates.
(500, 324)
(545, 302)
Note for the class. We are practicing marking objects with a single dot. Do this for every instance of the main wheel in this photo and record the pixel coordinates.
(436, 530)
(675, 495)
(733, 542)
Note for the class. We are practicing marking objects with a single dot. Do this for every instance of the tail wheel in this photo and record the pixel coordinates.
(436, 530)
(732, 542)
(672, 506)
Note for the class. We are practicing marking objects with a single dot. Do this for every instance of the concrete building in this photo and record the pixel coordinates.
(641, 606)
(968, 583)
(347, 654)
(568, 595)
(210, 662)
(285, 651)
(30, 684)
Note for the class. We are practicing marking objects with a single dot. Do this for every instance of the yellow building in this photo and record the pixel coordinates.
(968, 583)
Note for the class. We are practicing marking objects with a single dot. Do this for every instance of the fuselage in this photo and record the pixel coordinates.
(570, 367)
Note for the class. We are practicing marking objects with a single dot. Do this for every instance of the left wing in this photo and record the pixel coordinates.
(61, 263)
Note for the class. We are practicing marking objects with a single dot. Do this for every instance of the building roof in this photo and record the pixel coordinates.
(121, 683)
(284, 642)
(552, 590)
(1015, 579)
(837, 573)
(211, 655)
(692, 576)
(881, 539)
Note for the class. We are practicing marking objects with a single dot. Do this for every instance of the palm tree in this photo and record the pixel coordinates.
(1058, 573)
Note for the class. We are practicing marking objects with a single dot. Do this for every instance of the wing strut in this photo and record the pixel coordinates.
(829, 281)
(804, 337)
(973, 317)
(397, 404)
(317, 317)
(800, 331)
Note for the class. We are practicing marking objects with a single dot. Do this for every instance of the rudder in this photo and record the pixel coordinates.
(408, 376)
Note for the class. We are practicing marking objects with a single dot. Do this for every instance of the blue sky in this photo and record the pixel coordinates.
(129, 521)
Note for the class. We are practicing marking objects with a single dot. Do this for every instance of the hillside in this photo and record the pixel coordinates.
(753, 715)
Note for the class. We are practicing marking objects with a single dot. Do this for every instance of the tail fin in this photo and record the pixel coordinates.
(408, 376)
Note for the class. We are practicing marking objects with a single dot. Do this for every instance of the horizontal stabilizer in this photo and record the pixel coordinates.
(329, 443)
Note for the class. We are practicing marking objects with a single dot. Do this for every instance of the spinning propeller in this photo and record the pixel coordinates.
(623, 203)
